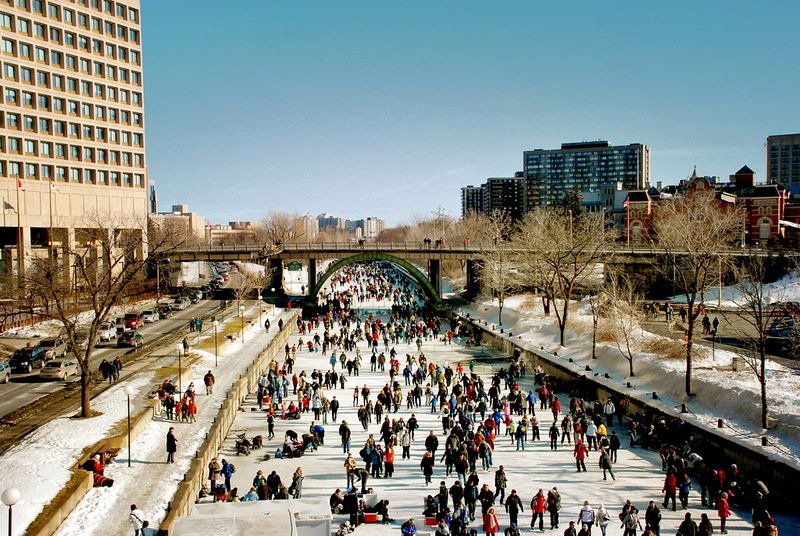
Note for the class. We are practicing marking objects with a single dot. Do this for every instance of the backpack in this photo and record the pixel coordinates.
(233, 468)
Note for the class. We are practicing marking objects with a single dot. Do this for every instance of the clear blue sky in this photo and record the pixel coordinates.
(387, 109)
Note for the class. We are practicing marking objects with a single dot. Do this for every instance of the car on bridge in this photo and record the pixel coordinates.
(26, 359)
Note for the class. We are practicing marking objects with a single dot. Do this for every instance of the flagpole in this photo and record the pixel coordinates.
(50, 231)
(20, 269)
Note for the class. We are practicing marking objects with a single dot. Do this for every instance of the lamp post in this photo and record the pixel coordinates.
(10, 497)
(241, 315)
(128, 393)
(179, 347)
(260, 307)
(215, 323)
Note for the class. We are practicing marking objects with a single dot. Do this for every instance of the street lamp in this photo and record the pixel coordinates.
(10, 497)
(128, 392)
(241, 315)
(215, 323)
(260, 305)
(179, 347)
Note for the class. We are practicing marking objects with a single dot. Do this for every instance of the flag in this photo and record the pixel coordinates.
(19, 185)
(53, 187)
(8, 206)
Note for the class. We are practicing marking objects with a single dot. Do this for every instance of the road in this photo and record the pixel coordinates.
(26, 388)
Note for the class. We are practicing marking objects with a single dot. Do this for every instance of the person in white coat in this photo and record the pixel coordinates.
(136, 519)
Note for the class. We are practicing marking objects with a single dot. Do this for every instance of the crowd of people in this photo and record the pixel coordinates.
(476, 412)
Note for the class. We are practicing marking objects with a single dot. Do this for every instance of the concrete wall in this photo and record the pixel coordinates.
(780, 477)
(195, 477)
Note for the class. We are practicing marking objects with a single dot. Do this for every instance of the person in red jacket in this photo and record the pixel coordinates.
(580, 453)
(490, 523)
(555, 407)
(538, 507)
(724, 512)
(670, 486)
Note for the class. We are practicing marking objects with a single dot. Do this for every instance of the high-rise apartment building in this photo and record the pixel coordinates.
(506, 194)
(72, 148)
(583, 167)
(471, 200)
(783, 159)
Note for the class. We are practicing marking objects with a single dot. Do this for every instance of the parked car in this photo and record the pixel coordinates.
(53, 348)
(181, 304)
(26, 359)
(130, 338)
(5, 372)
(59, 369)
(107, 332)
(164, 310)
(133, 320)
(150, 317)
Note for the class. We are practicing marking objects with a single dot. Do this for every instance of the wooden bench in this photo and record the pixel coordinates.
(107, 453)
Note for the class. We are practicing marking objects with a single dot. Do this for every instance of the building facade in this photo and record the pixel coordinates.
(505, 194)
(471, 200)
(583, 167)
(783, 159)
(72, 147)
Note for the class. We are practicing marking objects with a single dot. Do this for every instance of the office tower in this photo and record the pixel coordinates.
(783, 159)
(72, 148)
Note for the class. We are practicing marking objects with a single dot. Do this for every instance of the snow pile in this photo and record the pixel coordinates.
(785, 289)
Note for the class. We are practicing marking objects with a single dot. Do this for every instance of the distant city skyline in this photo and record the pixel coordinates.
(388, 109)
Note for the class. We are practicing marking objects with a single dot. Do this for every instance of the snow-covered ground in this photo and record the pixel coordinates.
(38, 465)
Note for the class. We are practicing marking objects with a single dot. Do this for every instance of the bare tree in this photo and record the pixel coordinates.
(497, 275)
(694, 230)
(561, 249)
(280, 228)
(754, 309)
(622, 305)
(250, 278)
(100, 269)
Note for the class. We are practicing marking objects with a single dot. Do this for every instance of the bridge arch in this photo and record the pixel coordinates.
(415, 273)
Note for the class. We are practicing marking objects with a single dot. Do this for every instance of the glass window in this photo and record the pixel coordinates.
(6, 21)
(26, 75)
(133, 14)
(47, 171)
(99, 112)
(83, 42)
(44, 125)
(87, 132)
(69, 16)
(59, 127)
(23, 26)
(27, 99)
(114, 157)
(42, 78)
(13, 169)
(41, 54)
(69, 39)
(97, 46)
(86, 87)
(75, 174)
(53, 11)
(120, 11)
(11, 96)
(122, 32)
(38, 6)
(135, 57)
(101, 155)
(43, 102)
(55, 58)
(12, 145)
(88, 153)
(29, 122)
(134, 36)
(101, 177)
(100, 133)
(138, 180)
(40, 30)
(72, 107)
(86, 110)
(72, 62)
(61, 150)
(58, 104)
(97, 68)
(45, 148)
(99, 90)
(108, 7)
(114, 176)
(110, 50)
(123, 75)
(72, 85)
(96, 24)
(9, 71)
(112, 93)
(25, 51)
(30, 147)
(61, 173)
(111, 72)
(83, 20)
(9, 46)
(108, 28)
(123, 53)
(74, 129)
(74, 151)
(136, 98)
(30, 170)
(12, 121)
